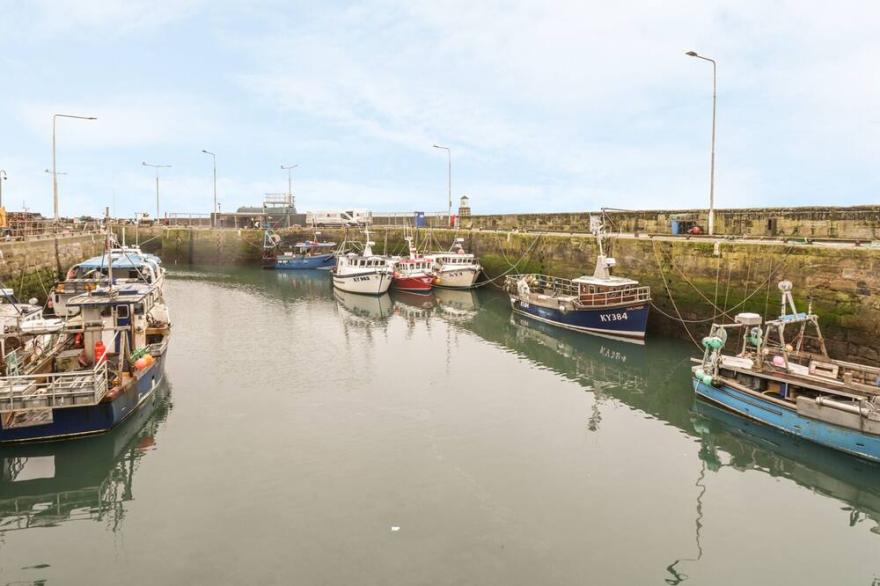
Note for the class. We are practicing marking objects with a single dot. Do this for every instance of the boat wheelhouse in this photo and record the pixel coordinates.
(364, 273)
(455, 269)
(130, 265)
(110, 362)
(789, 381)
(600, 304)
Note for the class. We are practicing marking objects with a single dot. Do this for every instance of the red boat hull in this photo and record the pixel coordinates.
(422, 283)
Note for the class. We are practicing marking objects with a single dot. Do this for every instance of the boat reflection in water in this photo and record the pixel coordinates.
(364, 309)
(457, 304)
(652, 380)
(730, 441)
(90, 478)
(306, 283)
(414, 307)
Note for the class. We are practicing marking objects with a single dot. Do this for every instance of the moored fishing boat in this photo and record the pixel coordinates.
(364, 273)
(790, 382)
(455, 269)
(413, 273)
(307, 255)
(600, 304)
(106, 361)
(130, 264)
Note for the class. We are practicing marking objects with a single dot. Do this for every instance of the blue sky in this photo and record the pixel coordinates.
(547, 106)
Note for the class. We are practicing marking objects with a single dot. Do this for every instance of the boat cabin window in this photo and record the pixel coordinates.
(122, 311)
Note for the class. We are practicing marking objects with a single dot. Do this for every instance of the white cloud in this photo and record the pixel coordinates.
(84, 18)
(123, 120)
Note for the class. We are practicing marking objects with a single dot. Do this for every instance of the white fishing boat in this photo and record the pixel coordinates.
(365, 273)
(455, 269)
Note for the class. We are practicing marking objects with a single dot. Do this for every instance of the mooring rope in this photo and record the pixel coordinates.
(671, 298)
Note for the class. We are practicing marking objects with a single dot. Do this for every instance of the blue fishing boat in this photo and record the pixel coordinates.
(103, 365)
(600, 304)
(307, 255)
(790, 383)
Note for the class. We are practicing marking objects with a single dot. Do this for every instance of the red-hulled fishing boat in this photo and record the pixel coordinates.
(413, 273)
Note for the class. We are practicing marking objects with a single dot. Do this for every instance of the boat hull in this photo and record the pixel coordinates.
(463, 278)
(628, 321)
(294, 263)
(415, 284)
(843, 439)
(374, 283)
(73, 422)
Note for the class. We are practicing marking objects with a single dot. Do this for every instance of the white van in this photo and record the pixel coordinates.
(329, 218)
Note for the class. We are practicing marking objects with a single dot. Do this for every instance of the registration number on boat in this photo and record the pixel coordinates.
(359, 279)
(607, 317)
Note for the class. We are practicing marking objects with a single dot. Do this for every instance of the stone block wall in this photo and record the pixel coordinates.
(850, 223)
(32, 267)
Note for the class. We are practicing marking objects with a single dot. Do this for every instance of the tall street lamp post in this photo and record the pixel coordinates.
(3, 177)
(712, 165)
(289, 168)
(214, 157)
(55, 117)
(156, 167)
(449, 179)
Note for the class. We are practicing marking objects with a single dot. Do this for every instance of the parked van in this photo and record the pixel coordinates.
(328, 218)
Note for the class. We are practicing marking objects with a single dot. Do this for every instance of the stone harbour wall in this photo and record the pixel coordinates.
(849, 223)
(32, 267)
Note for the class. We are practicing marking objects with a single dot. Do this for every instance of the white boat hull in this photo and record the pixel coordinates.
(373, 283)
(457, 278)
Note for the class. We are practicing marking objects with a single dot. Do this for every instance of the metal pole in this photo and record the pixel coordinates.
(712, 160)
(54, 173)
(156, 167)
(3, 177)
(712, 172)
(213, 215)
(289, 168)
(449, 182)
(449, 186)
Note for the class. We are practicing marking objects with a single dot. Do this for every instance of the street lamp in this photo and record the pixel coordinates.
(289, 182)
(156, 167)
(712, 164)
(55, 117)
(449, 154)
(3, 177)
(213, 156)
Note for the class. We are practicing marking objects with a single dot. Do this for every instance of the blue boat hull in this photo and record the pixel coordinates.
(619, 322)
(790, 421)
(71, 422)
(292, 263)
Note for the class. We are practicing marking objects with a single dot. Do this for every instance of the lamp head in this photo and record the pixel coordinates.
(692, 54)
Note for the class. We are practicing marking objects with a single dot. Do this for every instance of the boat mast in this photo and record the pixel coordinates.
(601, 271)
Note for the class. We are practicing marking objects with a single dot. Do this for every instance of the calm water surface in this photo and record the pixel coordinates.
(309, 438)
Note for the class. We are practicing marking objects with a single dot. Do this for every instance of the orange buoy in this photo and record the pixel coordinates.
(140, 363)
(100, 351)
(149, 358)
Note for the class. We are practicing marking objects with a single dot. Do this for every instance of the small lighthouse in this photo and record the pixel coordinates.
(464, 207)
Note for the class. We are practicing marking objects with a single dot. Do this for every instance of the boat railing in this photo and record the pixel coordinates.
(615, 296)
(557, 287)
(545, 284)
(53, 390)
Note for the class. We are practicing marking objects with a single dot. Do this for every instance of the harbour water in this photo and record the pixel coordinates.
(311, 437)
